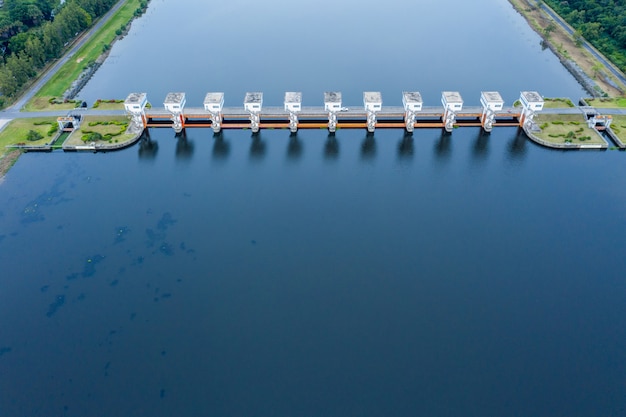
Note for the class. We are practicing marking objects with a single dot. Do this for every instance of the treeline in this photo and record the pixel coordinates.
(34, 32)
(601, 22)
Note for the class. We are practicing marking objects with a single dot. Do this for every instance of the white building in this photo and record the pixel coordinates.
(412, 101)
(452, 100)
(332, 101)
(175, 102)
(253, 102)
(452, 103)
(491, 100)
(531, 100)
(293, 101)
(372, 101)
(532, 103)
(293, 105)
(136, 103)
(214, 102)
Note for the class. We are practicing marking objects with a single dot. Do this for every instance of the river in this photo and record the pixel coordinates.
(442, 275)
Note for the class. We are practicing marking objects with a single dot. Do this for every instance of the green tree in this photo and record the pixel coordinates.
(8, 83)
(21, 66)
(34, 49)
(52, 40)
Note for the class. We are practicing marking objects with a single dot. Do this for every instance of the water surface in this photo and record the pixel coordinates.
(239, 275)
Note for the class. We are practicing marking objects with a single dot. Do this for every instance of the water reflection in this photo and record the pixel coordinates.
(147, 147)
(405, 146)
(443, 145)
(368, 147)
(295, 147)
(258, 147)
(481, 145)
(184, 147)
(331, 147)
(517, 147)
(221, 147)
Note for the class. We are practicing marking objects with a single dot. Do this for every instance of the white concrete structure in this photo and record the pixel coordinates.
(293, 105)
(253, 103)
(175, 104)
(492, 102)
(412, 102)
(68, 123)
(135, 105)
(373, 102)
(532, 103)
(214, 104)
(332, 104)
(452, 103)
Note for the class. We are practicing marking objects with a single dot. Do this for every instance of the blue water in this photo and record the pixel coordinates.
(441, 275)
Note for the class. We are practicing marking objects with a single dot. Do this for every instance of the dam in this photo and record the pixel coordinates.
(333, 114)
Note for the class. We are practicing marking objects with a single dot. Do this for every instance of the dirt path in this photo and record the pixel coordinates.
(564, 46)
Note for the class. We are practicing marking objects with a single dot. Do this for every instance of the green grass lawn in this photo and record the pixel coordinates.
(618, 126)
(15, 132)
(89, 125)
(62, 80)
(606, 102)
(563, 128)
(557, 103)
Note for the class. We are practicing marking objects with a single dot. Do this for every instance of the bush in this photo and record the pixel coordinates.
(33, 136)
(53, 129)
(92, 137)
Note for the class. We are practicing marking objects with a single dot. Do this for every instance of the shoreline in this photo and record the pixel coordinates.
(591, 73)
(7, 160)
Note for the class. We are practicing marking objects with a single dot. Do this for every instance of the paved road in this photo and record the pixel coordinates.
(608, 64)
(9, 113)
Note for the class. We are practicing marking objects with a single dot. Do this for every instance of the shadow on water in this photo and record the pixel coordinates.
(517, 146)
(147, 147)
(258, 147)
(368, 147)
(331, 147)
(295, 147)
(480, 150)
(443, 147)
(184, 146)
(221, 147)
(405, 146)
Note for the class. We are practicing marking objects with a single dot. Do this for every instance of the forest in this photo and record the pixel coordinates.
(601, 22)
(34, 32)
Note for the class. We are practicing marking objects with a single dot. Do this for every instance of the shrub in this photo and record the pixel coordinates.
(33, 136)
(53, 129)
(92, 137)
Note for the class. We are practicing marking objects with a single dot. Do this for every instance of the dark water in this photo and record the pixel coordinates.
(383, 275)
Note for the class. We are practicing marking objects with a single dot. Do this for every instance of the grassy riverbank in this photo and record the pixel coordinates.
(566, 128)
(16, 131)
(89, 53)
(108, 129)
(618, 126)
(566, 47)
